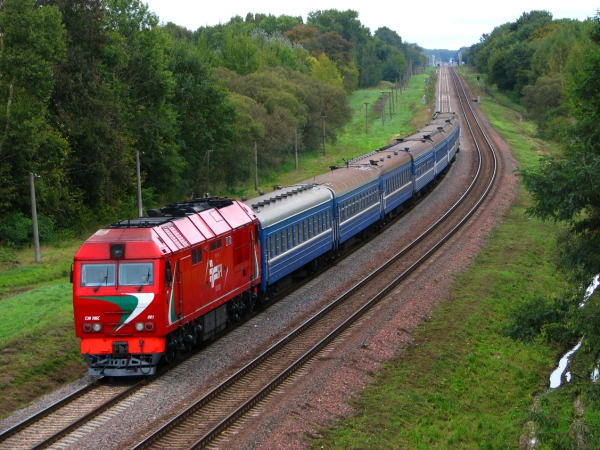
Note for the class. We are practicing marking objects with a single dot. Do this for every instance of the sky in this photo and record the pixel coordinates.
(433, 24)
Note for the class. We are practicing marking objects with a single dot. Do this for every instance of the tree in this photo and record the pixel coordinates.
(149, 118)
(86, 107)
(33, 43)
(205, 114)
(542, 100)
(325, 70)
(566, 188)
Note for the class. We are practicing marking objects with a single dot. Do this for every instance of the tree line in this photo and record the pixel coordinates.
(86, 85)
(552, 67)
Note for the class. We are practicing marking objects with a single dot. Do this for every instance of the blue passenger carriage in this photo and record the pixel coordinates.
(396, 175)
(295, 229)
(357, 202)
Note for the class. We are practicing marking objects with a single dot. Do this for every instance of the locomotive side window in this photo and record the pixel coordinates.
(98, 275)
(196, 256)
(136, 274)
(215, 245)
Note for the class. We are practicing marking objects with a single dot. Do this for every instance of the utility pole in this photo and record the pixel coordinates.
(36, 237)
(255, 165)
(382, 98)
(296, 146)
(208, 152)
(367, 117)
(323, 117)
(139, 183)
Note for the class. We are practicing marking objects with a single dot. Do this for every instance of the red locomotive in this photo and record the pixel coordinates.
(150, 288)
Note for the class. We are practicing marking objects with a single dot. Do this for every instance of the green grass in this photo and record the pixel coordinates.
(464, 384)
(38, 347)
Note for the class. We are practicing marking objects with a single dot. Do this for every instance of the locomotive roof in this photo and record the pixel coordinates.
(284, 202)
(173, 211)
(182, 225)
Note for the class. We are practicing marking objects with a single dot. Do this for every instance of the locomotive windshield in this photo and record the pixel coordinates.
(98, 275)
(130, 274)
(136, 274)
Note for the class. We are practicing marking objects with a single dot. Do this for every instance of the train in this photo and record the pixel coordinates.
(147, 290)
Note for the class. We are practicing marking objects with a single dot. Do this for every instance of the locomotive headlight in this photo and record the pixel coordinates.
(149, 326)
(139, 326)
(87, 327)
(97, 327)
(117, 251)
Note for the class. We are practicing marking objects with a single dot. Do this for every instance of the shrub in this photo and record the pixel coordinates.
(17, 230)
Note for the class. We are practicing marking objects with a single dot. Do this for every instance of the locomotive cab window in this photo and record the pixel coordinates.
(98, 275)
(136, 274)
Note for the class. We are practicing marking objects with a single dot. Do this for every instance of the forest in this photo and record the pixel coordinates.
(88, 85)
(551, 69)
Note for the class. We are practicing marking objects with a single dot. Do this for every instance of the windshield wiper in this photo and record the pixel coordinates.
(105, 282)
(147, 281)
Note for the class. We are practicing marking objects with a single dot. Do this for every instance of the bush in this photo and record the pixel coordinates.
(17, 230)
(542, 317)
(8, 255)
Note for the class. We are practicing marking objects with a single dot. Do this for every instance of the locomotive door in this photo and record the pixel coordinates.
(176, 302)
(176, 296)
(253, 241)
(187, 294)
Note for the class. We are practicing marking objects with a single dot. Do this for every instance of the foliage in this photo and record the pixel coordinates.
(325, 70)
(544, 318)
(281, 102)
(17, 230)
(528, 59)
(33, 42)
(205, 113)
(90, 85)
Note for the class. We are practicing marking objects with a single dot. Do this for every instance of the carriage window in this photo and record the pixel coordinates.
(98, 275)
(136, 274)
(272, 246)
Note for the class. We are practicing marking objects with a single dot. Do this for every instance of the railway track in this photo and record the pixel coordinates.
(236, 396)
(211, 415)
(64, 416)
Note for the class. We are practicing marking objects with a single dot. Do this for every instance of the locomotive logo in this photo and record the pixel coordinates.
(215, 273)
(131, 305)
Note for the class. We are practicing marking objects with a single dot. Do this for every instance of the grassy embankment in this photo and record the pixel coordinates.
(38, 349)
(463, 384)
